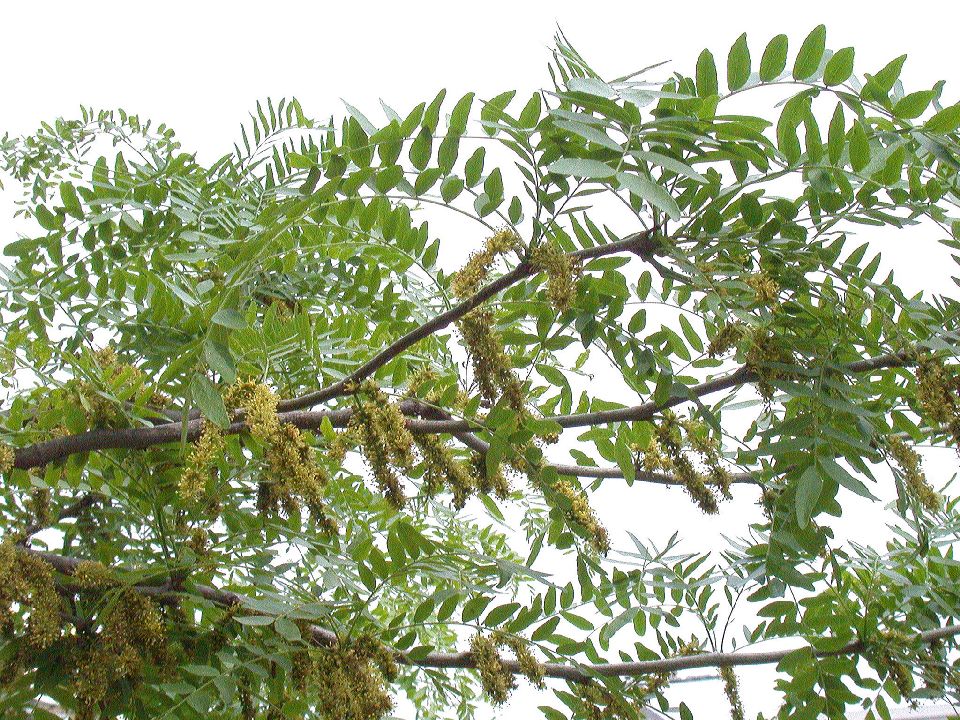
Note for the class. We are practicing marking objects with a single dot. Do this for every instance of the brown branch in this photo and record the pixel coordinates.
(643, 244)
(581, 673)
(39, 454)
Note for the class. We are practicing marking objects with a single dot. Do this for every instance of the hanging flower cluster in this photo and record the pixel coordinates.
(938, 391)
(132, 636)
(562, 274)
(443, 469)
(477, 268)
(40, 506)
(27, 581)
(387, 445)
(580, 513)
(731, 688)
(765, 288)
(293, 476)
(727, 336)
(200, 466)
(893, 653)
(497, 681)
(598, 703)
(7, 457)
(350, 678)
(666, 452)
(915, 481)
(492, 366)
(765, 354)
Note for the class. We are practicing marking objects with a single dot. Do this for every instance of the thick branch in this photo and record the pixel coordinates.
(571, 672)
(41, 453)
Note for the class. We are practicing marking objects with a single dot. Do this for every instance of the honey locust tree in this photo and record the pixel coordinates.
(266, 456)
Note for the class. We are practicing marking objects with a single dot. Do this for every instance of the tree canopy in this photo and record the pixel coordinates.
(269, 452)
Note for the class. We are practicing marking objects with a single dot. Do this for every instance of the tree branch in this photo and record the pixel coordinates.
(580, 673)
(39, 454)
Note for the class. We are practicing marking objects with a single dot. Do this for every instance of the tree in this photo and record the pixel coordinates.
(264, 458)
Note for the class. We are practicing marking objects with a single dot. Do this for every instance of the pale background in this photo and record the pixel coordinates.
(200, 67)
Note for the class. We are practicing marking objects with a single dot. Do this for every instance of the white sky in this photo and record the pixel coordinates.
(200, 67)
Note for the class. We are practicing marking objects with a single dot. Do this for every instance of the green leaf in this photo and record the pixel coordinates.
(810, 53)
(229, 318)
(945, 121)
(774, 58)
(450, 188)
(461, 113)
(473, 169)
(582, 168)
(208, 399)
(500, 614)
(625, 461)
(912, 106)
(669, 163)
(421, 149)
(840, 475)
(473, 607)
(71, 202)
(859, 147)
(808, 492)
(738, 64)
(254, 620)
(651, 192)
(836, 135)
(882, 83)
(219, 359)
(706, 75)
(47, 219)
(839, 67)
(287, 629)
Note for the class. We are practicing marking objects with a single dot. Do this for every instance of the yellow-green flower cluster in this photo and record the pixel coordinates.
(133, 635)
(293, 476)
(731, 688)
(477, 268)
(350, 678)
(766, 289)
(582, 514)
(914, 478)
(934, 667)
(491, 364)
(893, 653)
(442, 469)
(497, 681)
(768, 501)
(727, 337)
(666, 452)
(27, 581)
(938, 391)
(385, 441)
(201, 463)
(598, 703)
(562, 274)
(92, 575)
(40, 506)
(766, 351)
(7, 457)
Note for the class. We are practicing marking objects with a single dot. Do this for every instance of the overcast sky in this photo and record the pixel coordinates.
(200, 67)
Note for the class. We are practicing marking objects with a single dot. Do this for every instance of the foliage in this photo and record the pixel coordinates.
(266, 456)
